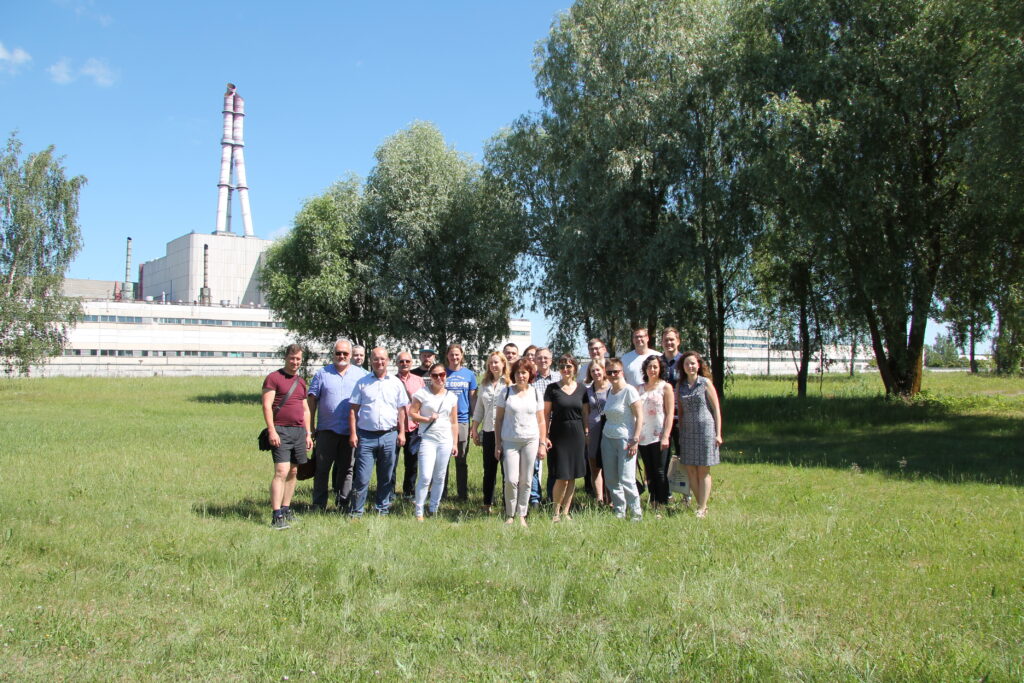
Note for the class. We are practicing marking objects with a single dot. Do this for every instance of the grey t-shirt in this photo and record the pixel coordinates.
(618, 413)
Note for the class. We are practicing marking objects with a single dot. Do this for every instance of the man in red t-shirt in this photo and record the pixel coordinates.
(287, 416)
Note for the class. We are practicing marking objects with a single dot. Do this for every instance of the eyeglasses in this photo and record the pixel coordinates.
(438, 375)
(613, 373)
(404, 360)
(566, 365)
(342, 353)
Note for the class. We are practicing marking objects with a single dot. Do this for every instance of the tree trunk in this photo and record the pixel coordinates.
(805, 350)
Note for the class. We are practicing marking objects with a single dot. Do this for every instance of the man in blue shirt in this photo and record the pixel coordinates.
(377, 429)
(328, 398)
(461, 382)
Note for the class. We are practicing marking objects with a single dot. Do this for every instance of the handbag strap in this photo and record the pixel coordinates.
(287, 395)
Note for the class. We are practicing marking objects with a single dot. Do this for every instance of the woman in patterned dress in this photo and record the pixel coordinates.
(700, 426)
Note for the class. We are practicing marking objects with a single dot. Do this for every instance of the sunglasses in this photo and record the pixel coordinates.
(613, 372)
(438, 375)
(403, 360)
(342, 353)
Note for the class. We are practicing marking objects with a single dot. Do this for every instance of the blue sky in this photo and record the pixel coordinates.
(130, 93)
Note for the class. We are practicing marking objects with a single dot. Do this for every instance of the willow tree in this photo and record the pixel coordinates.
(441, 239)
(872, 96)
(39, 237)
(629, 175)
(311, 276)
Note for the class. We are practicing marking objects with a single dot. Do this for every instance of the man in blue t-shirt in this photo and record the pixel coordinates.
(461, 382)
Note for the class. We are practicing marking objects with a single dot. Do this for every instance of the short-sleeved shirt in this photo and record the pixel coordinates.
(378, 400)
(618, 413)
(332, 392)
(412, 384)
(293, 413)
(442, 405)
(520, 418)
(461, 382)
(633, 366)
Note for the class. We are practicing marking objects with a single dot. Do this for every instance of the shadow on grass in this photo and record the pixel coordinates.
(257, 510)
(926, 439)
(245, 397)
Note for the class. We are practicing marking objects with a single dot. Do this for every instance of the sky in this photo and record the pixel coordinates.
(130, 93)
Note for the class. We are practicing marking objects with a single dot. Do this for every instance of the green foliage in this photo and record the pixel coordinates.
(944, 353)
(425, 252)
(850, 538)
(310, 277)
(628, 176)
(444, 243)
(39, 237)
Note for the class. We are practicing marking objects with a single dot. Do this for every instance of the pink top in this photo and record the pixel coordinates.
(412, 384)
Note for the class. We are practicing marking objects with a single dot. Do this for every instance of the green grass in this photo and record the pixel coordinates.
(850, 538)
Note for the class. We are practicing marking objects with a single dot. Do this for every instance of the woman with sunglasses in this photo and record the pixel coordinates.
(521, 437)
(565, 411)
(624, 421)
(494, 382)
(435, 410)
(658, 403)
(700, 426)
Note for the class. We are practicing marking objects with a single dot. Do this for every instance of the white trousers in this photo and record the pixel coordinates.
(518, 456)
(432, 464)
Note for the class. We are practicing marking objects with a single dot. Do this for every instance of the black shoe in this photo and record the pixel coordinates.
(290, 516)
(279, 523)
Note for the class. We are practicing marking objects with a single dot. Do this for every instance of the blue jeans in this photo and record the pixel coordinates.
(535, 496)
(379, 447)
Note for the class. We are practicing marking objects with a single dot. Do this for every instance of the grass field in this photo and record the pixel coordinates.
(850, 538)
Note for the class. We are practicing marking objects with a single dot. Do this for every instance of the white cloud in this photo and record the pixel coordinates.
(99, 72)
(11, 61)
(64, 72)
(60, 72)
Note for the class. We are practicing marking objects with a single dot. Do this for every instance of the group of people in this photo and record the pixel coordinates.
(591, 420)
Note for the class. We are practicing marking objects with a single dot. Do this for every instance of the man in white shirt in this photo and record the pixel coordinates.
(633, 361)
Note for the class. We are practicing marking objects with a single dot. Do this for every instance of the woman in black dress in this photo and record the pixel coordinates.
(565, 410)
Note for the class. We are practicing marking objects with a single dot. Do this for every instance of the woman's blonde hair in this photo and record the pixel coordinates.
(488, 378)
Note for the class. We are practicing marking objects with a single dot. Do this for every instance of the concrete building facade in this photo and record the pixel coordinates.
(233, 267)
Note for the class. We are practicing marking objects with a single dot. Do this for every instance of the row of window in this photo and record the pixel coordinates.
(135, 353)
(138, 320)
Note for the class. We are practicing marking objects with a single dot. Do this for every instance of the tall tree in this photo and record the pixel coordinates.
(313, 276)
(39, 237)
(629, 175)
(871, 95)
(442, 240)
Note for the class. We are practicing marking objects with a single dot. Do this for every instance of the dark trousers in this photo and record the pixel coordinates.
(333, 463)
(490, 468)
(461, 466)
(410, 456)
(654, 467)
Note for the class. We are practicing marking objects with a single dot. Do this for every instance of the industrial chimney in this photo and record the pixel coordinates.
(128, 289)
(232, 158)
(204, 294)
